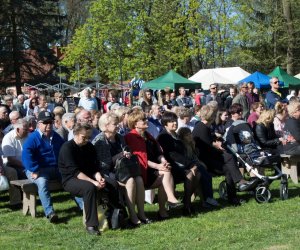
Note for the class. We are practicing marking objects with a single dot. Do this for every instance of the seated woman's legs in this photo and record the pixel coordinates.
(165, 184)
(190, 184)
(140, 197)
(88, 192)
(130, 198)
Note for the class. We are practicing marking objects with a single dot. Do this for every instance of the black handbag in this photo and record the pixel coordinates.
(126, 168)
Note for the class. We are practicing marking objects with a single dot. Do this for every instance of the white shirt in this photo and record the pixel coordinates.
(12, 145)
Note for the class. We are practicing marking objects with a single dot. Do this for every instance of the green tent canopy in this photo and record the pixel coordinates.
(283, 76)
(170, 80)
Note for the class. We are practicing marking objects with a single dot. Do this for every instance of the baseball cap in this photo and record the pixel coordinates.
(45, 116)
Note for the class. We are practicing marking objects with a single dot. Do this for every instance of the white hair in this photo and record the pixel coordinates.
(13, 114)
(66, 117)
(20, 123)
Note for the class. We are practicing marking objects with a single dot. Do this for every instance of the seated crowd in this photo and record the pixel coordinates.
(170, 140)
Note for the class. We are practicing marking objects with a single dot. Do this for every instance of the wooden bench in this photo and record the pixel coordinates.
(289, 166)
(30, 191)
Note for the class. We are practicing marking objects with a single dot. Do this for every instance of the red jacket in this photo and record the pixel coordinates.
(138, 147)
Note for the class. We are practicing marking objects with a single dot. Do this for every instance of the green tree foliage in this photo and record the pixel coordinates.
(264, 36)
(149, 37)
(27, 25)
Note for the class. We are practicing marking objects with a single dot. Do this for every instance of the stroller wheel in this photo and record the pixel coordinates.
(284, 191)
(262, 194)
(223, 190)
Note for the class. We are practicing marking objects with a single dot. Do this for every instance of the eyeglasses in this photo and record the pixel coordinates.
(276, 82)
(213, 88)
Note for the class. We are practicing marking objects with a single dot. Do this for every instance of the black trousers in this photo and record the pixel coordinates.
(225, 163)
(88, 192)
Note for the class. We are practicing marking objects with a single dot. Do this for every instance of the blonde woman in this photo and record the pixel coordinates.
(292, 129)
(122, 112)
(265, 132)
(109, 147)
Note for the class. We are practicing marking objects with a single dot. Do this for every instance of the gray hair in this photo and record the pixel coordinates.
(106, 119)
(20, 123)
(30, 118)
(13, 114)
(66, 117)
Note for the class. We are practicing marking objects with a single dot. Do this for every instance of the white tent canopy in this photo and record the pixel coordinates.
(230, 75)
(297, 76)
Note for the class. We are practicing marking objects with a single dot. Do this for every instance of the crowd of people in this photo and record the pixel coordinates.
(174, 138)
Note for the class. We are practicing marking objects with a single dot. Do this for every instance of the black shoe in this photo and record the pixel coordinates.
(93, 230)
(234, 202)
(173, 205)
(161, 218)
(131, 225)
(52, 217)
(188, 211)
(145, 221)
(16, 207)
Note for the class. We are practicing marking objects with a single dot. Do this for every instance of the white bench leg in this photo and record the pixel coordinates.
(294, 172)
(32, 205)
(26, 199)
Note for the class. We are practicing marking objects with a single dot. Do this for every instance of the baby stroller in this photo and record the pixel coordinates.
(239, 140)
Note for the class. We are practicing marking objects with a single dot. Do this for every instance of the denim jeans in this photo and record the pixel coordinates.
(45, 174)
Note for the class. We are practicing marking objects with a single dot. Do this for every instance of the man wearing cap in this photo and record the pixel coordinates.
(273, 96)
(39, 157)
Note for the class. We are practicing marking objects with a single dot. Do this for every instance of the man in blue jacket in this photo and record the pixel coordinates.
(39, 156)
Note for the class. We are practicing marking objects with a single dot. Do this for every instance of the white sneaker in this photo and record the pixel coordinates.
(212, 202)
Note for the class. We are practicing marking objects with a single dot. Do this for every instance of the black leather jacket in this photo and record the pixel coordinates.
(266, 136)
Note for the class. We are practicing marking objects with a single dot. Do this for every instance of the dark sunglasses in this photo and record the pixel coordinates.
(276, 82)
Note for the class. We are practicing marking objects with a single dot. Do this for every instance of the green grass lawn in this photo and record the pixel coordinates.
(275, 225)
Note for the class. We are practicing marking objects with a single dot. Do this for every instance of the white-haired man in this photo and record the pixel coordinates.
(13, 117)
(12, 147)
(84, 116)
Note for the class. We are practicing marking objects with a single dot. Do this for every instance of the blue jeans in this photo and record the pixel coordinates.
(45, 174)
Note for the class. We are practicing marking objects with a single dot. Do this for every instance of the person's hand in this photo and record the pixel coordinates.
(100, 181)
(34, 175)
(283, 141)
(166, 167)
(99, 184)
(127, 154)
(218, 145)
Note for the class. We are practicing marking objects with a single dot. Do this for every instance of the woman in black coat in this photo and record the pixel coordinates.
(215, 157)
(265, 133)
(182, 170)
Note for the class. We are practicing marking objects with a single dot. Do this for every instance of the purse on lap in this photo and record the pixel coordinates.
(126, 168)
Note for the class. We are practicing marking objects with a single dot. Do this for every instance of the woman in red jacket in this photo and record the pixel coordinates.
(156, 171)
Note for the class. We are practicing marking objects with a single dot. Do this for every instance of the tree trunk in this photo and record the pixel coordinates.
(286, 4)
(15, 51)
